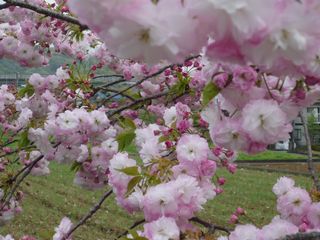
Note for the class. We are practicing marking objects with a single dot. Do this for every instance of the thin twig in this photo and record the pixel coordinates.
(310, 162)
(46, 12)
(150, 76)
(303, 236)
(108, 76)
(138, 101)
(15, 187)
(8, 143)
(116, 91)
(85, 218)
(14, 178)
(136, 224)
(211, 227)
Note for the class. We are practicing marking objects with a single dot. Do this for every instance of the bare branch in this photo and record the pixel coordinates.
(8, 143)
(108, 76)
(88, 215)
(4, 6)
(136, 224)
(303, 236)
(211, 227)
(25, 174)
(150, 76)
(310, 162)
(136, 102)
(117, 91)
(46, 12)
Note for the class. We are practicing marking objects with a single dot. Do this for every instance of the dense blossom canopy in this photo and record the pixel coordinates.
(202, 81)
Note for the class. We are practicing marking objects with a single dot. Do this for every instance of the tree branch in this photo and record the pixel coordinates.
(8, 143)
(211, 227)
(108, 76)
(4, 6)
(136, 224)
(303, 236)
(88, 215)
(46, 12)
(25, 174)
(310, 162)
(141, 100)
(117, 91)
(150, 76)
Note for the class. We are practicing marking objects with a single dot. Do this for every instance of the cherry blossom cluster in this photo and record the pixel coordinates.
(269, 34)
(255, 64)
(31, 39)
(297, 213)
(242, 117)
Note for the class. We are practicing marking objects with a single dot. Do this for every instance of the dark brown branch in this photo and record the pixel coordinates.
(211, 227)
(108, 76)
(150, 76)
(136, 224)
(116, 91)
(25, 174)
(8, 143)
(97, 89)
(14, 178)
(303, 236)
(136, 102)
(310, 162)
(4, 6)
(46, 12)
(88, 215)
(25, 171)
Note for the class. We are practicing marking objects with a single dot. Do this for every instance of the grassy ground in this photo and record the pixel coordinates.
(50, 198)
(271, 155)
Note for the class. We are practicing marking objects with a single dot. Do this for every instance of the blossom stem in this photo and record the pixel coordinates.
(46, 12)
(136, 224)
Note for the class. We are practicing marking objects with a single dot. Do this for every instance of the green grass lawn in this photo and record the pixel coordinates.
(271, 155)
(50, 198)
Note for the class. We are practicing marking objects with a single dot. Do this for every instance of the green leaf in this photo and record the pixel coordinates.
(180, 87)
(133, 182)
(23, 139)
(131, 171)
(129, 123)
(75, 167)
(134, 236)
(163, 139)
(125, 138)
(27, 90)
(209, 92)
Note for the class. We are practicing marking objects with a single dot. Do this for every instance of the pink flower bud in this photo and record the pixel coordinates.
(240, 211)
(311, 81)
(303, 227)
(169, 144)
(221, 181)
(217, 151)
(7, 150)
(234, 219)
(167, 72)
(218, 191)
(196, 64)
(188, 63)
(18, 210)
(232, 168)
(229, 153)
